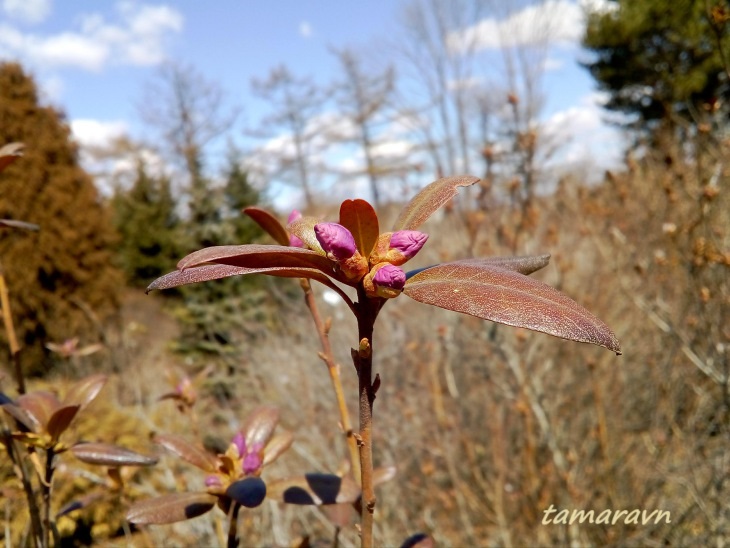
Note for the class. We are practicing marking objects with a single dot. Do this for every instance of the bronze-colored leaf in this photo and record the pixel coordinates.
(40, 405)
(511, 298)
(18, 224)
(524, 265)
(359, 217)
(81, 503)
(278, 444)
(85, 390)
(258, 256)
(22, 416)
(191, 452)
(9, 153)
(269, 223)
(260, 425)
(170, 508)
(429, 199)
(315, 489)
(303, 229)
(106, 454)
(61, 419)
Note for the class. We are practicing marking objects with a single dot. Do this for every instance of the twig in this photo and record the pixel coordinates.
(10, 330)
(233, 526)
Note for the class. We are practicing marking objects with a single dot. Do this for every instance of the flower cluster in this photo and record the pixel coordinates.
(380, 273)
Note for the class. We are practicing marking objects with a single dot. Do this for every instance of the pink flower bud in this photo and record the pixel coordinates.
(213, 481)
(336, 240)
(251, 463)
(408, 242)
(389, 276)
(295, 215)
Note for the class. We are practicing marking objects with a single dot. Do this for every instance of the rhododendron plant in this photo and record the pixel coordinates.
(353, 252)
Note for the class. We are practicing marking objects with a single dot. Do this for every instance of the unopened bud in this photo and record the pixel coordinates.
(336, 240)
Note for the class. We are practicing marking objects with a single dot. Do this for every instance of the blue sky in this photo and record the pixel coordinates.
(92, 59)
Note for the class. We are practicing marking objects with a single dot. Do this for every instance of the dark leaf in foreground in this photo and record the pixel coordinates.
(106, 454)
(170, 508)
(269, 223)
(248, 492)
(508, 297)
(430, 199)
(360, 219)
(315, 489)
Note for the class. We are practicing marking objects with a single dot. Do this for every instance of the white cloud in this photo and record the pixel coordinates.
(27, 11)
(137, 36)
(551, 22)
(305, 29)
(88, 132)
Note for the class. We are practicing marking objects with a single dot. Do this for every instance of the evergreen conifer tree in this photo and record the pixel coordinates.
(61, 273)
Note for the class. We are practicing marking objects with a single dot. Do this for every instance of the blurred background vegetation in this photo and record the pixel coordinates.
(487, 425)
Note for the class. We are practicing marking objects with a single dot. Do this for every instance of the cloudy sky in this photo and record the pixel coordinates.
(93, 59)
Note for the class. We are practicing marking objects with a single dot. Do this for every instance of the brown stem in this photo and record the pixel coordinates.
(10, 331)
(233, 526)
(334, 372)
(363, 359)
(46, 495)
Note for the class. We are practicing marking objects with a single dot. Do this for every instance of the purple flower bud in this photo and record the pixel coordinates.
(295, 215)
(213, 481)
(408, 242)
(240, 442)
(336, 240)
(251, 463)
(390, 276)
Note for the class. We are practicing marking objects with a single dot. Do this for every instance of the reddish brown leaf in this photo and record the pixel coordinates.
(40, 405)
(258, 256)
(192, 453)
(9, 153)
(508, 297)
(269, 223)
(106, 454)
(315, 489)
(428, 200)
(81, 503)
(170, 508)
(383, 474)
(84, 391)
(61, 419)
(22, 416)
(524, 265)
(260, 425)
(360, 218)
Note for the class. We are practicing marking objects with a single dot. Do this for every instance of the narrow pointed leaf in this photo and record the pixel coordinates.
(524, 265)
(278, 444)
(383, 474)
(304, 230)
(81, 503)
(84, 391)
(61, 419)
(511, 298)
(106, 454)
(359, 217)
(269, 223)
(258, 256)
(260, 425)
(192, 453)
(40, 405)
(9, 153)
(430, 199)
(22, 416)
(170, 508)
(18, 224)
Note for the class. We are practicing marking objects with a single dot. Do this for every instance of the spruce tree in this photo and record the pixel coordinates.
(148, 224)
(62, 275)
